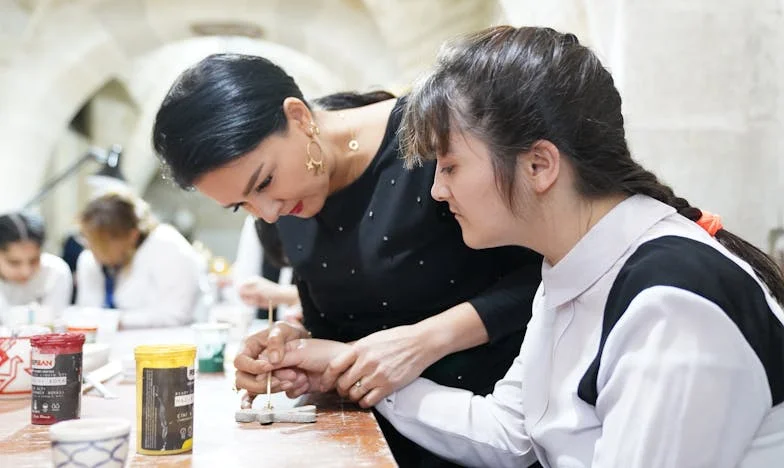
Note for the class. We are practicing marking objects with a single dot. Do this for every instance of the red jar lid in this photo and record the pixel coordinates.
(59, 342)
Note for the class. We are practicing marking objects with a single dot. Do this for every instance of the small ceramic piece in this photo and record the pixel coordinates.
(300, 414)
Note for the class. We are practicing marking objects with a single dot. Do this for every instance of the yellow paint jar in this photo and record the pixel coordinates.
(165, 378)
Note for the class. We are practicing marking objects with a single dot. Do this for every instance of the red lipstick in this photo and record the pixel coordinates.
(297, 208)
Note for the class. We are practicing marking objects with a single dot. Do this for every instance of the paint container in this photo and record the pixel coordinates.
(165, 377)
(57, 377)
(15, 361)
(211, 341)
(89, 332)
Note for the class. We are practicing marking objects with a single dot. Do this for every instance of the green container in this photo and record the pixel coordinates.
(211, 345)
(212, 363)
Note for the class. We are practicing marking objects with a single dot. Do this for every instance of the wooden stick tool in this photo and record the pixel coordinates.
(269, 374)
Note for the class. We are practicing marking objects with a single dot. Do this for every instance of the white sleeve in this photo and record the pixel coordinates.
(175, 274)
(462, 427)
(247, 262)
(59, 285)
(249, 255)
(89, 281)
(679, 386)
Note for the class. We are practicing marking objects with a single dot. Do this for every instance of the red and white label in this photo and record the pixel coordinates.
(43, 361)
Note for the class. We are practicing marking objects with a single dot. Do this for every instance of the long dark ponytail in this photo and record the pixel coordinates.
(514, 86)
(646, 183)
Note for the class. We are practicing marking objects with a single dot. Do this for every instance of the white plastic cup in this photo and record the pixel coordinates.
(106, 320)
(128, 363)
(90, 442)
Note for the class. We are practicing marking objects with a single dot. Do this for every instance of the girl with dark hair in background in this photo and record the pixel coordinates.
(146, 270)
(378, 262)
(27, 275)
(657, 336)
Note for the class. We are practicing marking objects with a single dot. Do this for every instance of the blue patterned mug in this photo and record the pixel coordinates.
(90, 442)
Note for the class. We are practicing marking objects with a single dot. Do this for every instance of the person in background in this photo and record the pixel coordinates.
(377, 261)
(28, 275)
(657, 336)
(258, 278)
(144, 269)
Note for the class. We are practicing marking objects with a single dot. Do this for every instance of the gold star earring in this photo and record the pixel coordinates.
(314, 165)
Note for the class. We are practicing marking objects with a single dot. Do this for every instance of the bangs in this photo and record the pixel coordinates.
(424, 133)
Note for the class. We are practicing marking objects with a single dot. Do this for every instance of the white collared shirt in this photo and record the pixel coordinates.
(678, 382)
(51, 286)
(159, 288)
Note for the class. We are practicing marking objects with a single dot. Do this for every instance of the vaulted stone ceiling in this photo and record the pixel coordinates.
(701, 80)
(54, 54)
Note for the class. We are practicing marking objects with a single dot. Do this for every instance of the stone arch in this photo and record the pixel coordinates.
(77, 47)
(167, 62)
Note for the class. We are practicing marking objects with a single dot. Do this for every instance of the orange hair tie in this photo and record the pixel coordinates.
(710, 222)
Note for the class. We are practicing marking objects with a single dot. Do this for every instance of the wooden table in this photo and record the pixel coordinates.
(344, 435)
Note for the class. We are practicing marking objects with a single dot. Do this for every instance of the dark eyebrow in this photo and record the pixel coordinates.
(251, 182)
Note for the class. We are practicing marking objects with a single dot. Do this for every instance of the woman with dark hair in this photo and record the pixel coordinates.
(657, 336)
(378, 262)
(27, 275)
(144, 269)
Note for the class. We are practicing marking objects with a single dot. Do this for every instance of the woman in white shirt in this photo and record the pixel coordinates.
(146, 270)
(253, 289)
(657, 337)
(27, 275)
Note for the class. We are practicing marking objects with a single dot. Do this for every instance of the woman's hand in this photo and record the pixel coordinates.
(379, 364)
(257, 291)
(252, 372)
(305, 361)
(294, 382)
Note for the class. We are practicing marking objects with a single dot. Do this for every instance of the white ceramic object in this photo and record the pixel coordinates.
(128, 363)
(94, 355)
(90, 443)
(15, 362)
(107, 320)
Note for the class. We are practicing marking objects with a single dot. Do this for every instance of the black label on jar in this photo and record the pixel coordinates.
(57, 387)
(167, 408)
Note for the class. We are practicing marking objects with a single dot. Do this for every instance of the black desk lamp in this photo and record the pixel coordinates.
(110, 169)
